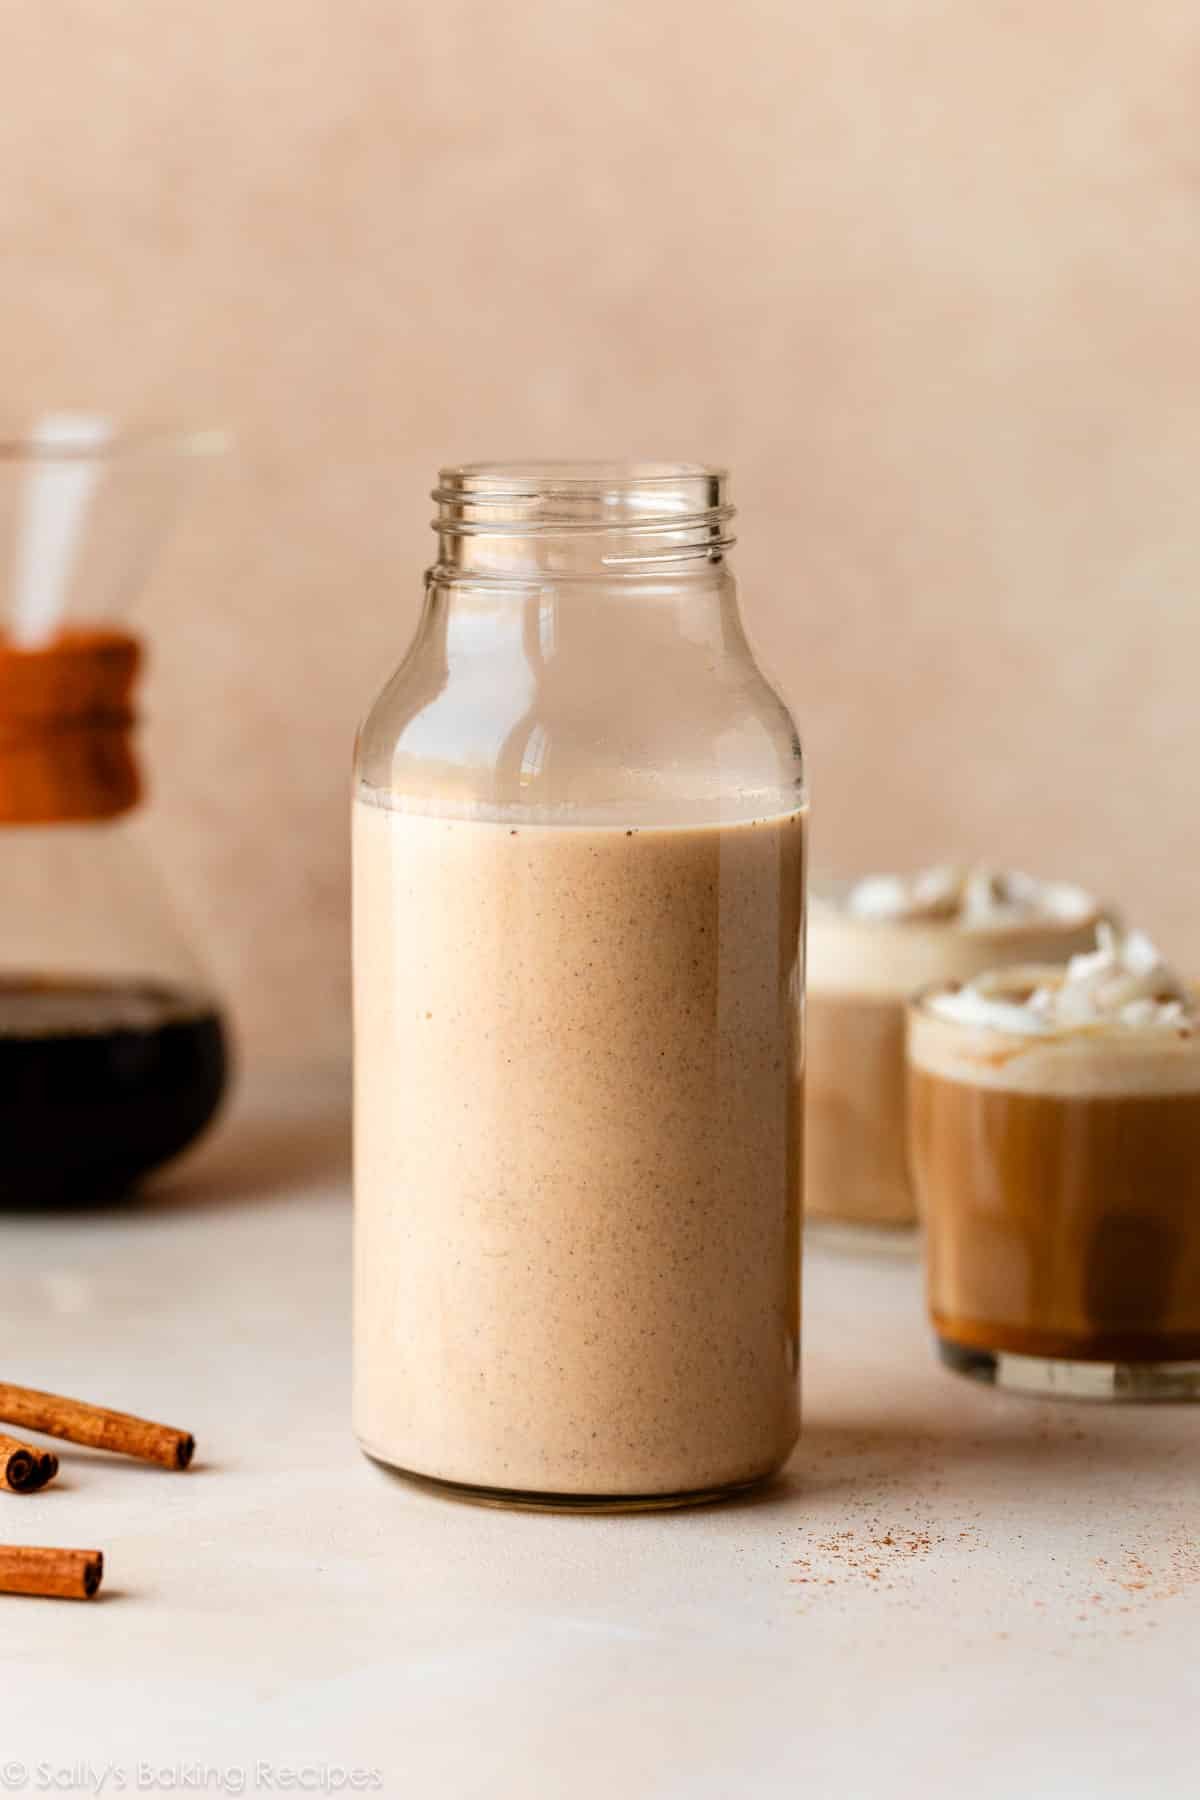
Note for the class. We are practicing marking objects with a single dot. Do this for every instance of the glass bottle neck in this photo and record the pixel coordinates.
(471, 618)
(581, 659)
(519, 523)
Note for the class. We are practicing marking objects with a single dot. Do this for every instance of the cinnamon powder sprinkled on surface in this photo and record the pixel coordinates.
(1141, 1582)
(872, 1555)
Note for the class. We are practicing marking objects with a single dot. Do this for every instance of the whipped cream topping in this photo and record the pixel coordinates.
(973, 899)
(929, 894)
(1124, 984)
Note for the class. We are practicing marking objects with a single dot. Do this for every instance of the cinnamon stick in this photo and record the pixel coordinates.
(58, 1574)
(97, 1426)
(23, 1467)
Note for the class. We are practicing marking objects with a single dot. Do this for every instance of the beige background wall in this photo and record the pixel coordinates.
(927, 274)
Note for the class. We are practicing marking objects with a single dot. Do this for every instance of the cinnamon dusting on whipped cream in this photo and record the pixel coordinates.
(1123, 984)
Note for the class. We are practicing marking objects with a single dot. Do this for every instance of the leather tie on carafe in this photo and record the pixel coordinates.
(66, 728)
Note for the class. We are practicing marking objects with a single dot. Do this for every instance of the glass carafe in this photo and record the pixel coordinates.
(578, 905)
(112, 1047)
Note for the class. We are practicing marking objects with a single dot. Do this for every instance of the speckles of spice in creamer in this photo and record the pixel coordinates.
(577, 1151)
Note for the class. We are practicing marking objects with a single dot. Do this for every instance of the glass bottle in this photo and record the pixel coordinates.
(579, 824)
(112, 1047)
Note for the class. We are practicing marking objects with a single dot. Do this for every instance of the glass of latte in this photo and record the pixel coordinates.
(1054, 1119)
(872, 946)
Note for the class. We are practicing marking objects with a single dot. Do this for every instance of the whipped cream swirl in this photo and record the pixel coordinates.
(973, 899)
(1124, 983)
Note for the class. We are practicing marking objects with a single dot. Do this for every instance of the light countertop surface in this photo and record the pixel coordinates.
(951, 1591)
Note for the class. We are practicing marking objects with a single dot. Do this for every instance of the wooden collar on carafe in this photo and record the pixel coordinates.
(66, 728)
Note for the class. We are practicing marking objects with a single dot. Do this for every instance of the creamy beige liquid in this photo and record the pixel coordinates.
(577, 1151)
